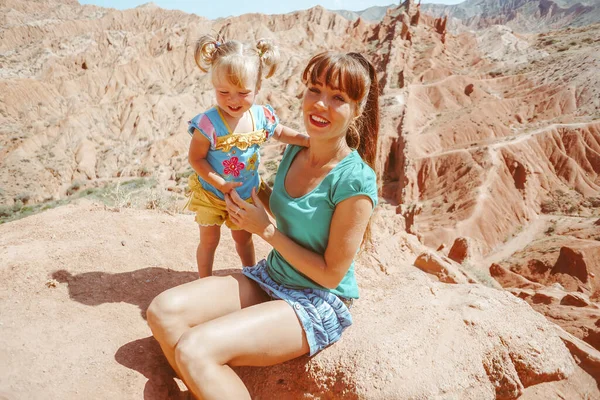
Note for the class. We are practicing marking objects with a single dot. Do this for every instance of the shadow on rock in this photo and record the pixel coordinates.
(146, 357)
(135, 287)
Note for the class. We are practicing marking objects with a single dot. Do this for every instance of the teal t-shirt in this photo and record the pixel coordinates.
(307, 219)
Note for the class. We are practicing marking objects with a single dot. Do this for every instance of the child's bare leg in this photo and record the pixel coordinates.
(205, 253)
(244, 246)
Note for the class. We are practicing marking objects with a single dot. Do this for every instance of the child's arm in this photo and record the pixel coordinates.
(199, 147)
(291, 136)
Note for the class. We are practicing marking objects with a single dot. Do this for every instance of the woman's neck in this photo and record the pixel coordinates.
(320, 154)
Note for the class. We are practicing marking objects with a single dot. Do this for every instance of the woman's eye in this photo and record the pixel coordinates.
(314, 89)
(340, 98)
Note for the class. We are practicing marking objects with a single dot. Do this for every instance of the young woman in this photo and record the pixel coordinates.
(296, 301)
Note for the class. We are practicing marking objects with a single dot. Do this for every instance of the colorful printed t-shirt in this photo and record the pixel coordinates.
(307, 219)
(235, 156)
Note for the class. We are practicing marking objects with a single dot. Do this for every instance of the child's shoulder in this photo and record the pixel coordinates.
(265, 115)
(206, 114)
(206, 122)
(264, 109)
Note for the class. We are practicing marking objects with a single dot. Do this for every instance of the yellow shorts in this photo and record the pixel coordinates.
(209, 209)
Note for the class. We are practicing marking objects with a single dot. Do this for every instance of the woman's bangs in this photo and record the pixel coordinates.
(339, 74)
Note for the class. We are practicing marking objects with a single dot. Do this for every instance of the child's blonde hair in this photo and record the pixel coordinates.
(240, 63)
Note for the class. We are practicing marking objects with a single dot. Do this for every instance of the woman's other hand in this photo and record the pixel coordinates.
(252, 218)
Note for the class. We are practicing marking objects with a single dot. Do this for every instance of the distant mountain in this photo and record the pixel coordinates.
(375, 13)
(520, 15)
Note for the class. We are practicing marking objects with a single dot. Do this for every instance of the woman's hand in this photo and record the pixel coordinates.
(250, 217)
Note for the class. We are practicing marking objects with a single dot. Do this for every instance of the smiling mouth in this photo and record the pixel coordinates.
(235, 108)
(318, 121)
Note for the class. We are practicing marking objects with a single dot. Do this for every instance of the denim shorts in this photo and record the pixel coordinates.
(323, 315)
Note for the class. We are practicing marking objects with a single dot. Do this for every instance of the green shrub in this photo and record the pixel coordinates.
(549, 206)
(75, 186)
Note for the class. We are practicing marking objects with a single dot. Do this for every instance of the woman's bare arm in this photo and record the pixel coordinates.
(348, 225)
(265, 195)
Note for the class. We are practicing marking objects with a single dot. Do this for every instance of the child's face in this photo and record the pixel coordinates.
(234, 100)
(327, 111)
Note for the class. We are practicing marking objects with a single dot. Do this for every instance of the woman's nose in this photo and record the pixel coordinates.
(321, 103)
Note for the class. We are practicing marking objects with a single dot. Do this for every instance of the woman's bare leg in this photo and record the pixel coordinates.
(205, 253)
(264, 334)
(244, 247)
(176, 310)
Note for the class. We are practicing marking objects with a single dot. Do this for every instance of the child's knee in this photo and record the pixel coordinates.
(242, 237)
(209, 241)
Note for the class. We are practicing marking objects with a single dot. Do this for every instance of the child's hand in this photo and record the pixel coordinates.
(229, 186)
(306, 140)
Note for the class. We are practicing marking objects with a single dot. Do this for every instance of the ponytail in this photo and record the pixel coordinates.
(367, 123)
(205, 52)
(269, 57)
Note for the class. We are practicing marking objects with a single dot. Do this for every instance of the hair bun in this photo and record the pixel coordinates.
(268, 54)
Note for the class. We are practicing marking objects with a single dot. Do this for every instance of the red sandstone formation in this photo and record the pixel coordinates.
(489, 138)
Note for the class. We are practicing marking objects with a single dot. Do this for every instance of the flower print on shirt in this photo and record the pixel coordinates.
(233, 166)
(252, 161)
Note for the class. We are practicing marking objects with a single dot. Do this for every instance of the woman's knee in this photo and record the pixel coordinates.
(163, 309)
(195, 348)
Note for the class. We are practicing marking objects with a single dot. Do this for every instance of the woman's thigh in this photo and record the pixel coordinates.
(264, 334)
(205, 299)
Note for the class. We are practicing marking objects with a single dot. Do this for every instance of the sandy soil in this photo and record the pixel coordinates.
(75, 283)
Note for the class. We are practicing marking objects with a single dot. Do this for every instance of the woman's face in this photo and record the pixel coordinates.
(327, 111)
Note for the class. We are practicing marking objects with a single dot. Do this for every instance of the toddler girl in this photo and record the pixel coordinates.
(224, 151)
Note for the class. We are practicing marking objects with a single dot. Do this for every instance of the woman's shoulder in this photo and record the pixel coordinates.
(353, 166)
(290, 151)
(354, 177)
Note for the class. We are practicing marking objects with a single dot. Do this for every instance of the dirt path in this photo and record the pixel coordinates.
(518, 242)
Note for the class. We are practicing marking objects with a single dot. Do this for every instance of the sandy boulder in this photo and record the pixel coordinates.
(463, 249)
(424, 341)
(443, 268)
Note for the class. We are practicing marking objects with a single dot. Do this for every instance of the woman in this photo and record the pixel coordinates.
(295, 301)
